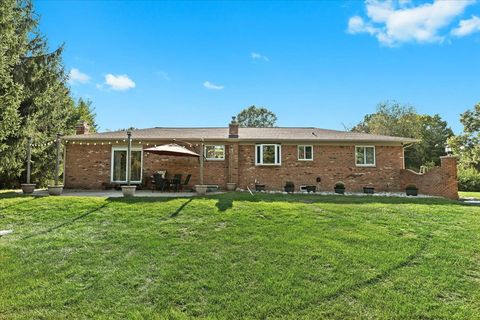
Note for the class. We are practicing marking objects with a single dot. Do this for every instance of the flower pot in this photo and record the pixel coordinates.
(259, 187)
(412, 192)
(201, 189)
(55, 190)
(128, 191)
(28, 188)
(339, 190)
(368, 190)
(231, 186)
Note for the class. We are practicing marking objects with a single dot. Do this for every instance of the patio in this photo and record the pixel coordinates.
(117, 193)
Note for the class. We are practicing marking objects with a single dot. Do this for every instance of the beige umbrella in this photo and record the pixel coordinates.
(172, 149)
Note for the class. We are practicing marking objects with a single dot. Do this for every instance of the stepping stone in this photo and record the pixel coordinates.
(5, 232)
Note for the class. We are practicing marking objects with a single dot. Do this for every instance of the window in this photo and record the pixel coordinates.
(215, 152)
(305, 153)
(365, 156)
(268, 154)
(119, 165)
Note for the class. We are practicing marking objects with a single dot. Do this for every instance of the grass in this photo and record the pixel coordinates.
(236, 256)
(467, 194)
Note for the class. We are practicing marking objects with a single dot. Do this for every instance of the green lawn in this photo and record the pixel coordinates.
(466, 194)
(238, 256)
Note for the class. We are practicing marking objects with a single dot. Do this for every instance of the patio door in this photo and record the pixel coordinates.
(119, 165)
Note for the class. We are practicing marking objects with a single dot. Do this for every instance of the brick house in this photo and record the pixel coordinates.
(245, 156)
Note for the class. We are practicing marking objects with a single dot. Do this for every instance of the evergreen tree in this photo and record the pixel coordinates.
(34, 97)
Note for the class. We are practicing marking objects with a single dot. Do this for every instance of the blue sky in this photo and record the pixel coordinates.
(323, 64)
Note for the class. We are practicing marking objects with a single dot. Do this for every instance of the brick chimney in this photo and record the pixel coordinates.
(82, 128)
(233, 128)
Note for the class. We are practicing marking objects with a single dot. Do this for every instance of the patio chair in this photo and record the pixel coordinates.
(158, 182)
(176, 181)
(185, 183)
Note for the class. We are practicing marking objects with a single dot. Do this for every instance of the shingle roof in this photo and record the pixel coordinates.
(244, 134)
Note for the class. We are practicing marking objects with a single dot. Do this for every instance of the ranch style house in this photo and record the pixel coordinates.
(254, 156)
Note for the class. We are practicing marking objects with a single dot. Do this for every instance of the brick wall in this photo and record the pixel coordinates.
(330, 163)
(89, 167)
(439, 181)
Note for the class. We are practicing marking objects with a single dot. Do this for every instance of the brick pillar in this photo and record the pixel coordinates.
(233, 128)
(449, 169)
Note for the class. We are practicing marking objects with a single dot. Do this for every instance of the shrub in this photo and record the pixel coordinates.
(468, 179)
(339, 185)
(289, 184)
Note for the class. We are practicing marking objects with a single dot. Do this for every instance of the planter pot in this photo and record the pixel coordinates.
(231, 186)
(201, 189)
(412, 192)
(368, 190)
(28, 188)
(55, 190)
(289, 189)
(259, 187)
(339, 190)
(311, 188)
(129, 191)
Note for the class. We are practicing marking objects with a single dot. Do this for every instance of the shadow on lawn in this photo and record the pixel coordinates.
(225, 201)
(68, 222)
(13, 205)
(409, 260)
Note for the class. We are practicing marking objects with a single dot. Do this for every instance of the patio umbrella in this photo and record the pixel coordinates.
(172, 149)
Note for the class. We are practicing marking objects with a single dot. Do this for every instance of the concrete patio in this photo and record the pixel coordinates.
(117, 193)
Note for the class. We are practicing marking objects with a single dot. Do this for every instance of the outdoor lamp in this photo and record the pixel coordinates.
(448, 150)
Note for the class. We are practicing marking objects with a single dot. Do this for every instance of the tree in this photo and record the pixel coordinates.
(85, 112)
(34, 97)
(467, 144)
(394, 119)
(256, 117)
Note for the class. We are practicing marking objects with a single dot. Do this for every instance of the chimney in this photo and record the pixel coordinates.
(82, 128)
(233, 128)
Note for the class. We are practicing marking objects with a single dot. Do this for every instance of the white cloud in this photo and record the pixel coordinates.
(393, 23)
(120, 82)
(211, 86)
(258, 56)
(466, 27)
(75, 76)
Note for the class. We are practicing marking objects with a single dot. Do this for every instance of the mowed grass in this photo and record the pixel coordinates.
(237, 256)
(468, 194)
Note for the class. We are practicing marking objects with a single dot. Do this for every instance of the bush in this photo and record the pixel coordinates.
(468, 179)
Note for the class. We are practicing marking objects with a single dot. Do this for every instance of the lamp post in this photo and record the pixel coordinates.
(129, 156)
(448, 150)
(57, 162)
(128, 190)
(56, 189)
(28, 187)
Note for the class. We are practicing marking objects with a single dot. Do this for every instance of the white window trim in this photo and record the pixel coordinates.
(365, 155)
(278, 154)
(298, 152)
(126, 149)
(214, 145)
